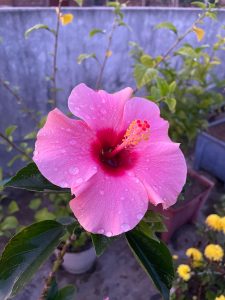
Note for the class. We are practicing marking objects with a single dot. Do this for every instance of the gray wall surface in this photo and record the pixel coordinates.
(26, 62)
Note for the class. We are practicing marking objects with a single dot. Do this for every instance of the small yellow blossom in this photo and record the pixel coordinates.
(184, 271)
(214, 222)
(66, 19)
(199, 32)
(108, 53)
(195, 255)
(221, 297)
(214, 252)
(175, 257)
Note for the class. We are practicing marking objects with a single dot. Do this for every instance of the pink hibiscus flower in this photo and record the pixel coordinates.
(115, 159)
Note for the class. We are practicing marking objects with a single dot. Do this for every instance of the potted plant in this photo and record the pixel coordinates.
(190, 202)
(80, 256)
(210, 150)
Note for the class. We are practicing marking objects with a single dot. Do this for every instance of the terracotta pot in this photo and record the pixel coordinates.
(188, 210)
(80, 262)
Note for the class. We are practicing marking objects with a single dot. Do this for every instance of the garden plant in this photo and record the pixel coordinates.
(95, 172)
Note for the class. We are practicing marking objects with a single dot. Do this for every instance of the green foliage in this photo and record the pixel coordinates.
(155, 258)
(38, 27)
(66, 293)
(82, 57)
(187, 92)
(44, 214)
(13, 207)
(25, 253)
(167, 25)
(95, 31)
(30, 178)
(101, 243)
(79, 2)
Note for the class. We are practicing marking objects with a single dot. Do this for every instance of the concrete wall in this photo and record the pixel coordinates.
(26, 62)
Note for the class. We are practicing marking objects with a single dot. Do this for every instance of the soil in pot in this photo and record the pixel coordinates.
(218, 131)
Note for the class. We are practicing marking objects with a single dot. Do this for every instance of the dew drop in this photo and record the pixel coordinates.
(101, 192)
(122, 198)
(74, 170)
(139, 216)
(109, 234)
(125, 227)
(147, 160)
(103, 100)
(79, 180)
(126, 190)
(63, 151)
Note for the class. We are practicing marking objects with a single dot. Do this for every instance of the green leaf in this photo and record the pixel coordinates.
(171, 102)
(13, 207)
(199, 4)
(143, 74)
(37, 27)
(162, 86)
(10, 222)
(147, 60)
(101, 243)
(94, 31)
(79, 2)
(30, 178)
(172, 87)
(25, 253)
(35, 203)
(44, 214)
(66, 293)
(155, 258)
(167, 25)
(9, 130)
(85, 56)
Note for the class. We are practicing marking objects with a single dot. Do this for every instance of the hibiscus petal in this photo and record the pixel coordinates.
(162, 169)
(63, 150)
(110, 205)
(140, 108)
(98, 109)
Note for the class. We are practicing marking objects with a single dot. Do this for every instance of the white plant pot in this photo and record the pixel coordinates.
(80, 262)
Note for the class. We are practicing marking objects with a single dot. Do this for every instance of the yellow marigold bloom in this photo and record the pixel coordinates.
(214, 222)
(195, 255)
(214, 252)
(184, 271)
(221, 297)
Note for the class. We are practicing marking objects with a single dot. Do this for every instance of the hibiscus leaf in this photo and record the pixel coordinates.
(101, 243)
(155, 258)
(30, 178)
(25, 253)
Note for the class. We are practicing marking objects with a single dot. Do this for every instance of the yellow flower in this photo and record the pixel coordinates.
(66, 19)
(195, 255)
(214, 252)
(199, 32)
(175, 257)
(184, 271)
(221, 297)
(214, 222)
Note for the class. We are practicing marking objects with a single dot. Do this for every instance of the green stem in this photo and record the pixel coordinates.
(13, 145)
(57, 263)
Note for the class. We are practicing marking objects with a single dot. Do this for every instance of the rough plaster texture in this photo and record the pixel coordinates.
(26, 62)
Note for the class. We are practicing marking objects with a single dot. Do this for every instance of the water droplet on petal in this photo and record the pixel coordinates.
(79, 180)
(139, 216)
(125, 227)
(101, 231)
(137, 180)
(109, 234)
(74, 170)
(101, 192)
(63, 151)
(103, 100)
(126, 190)
(122, 198)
